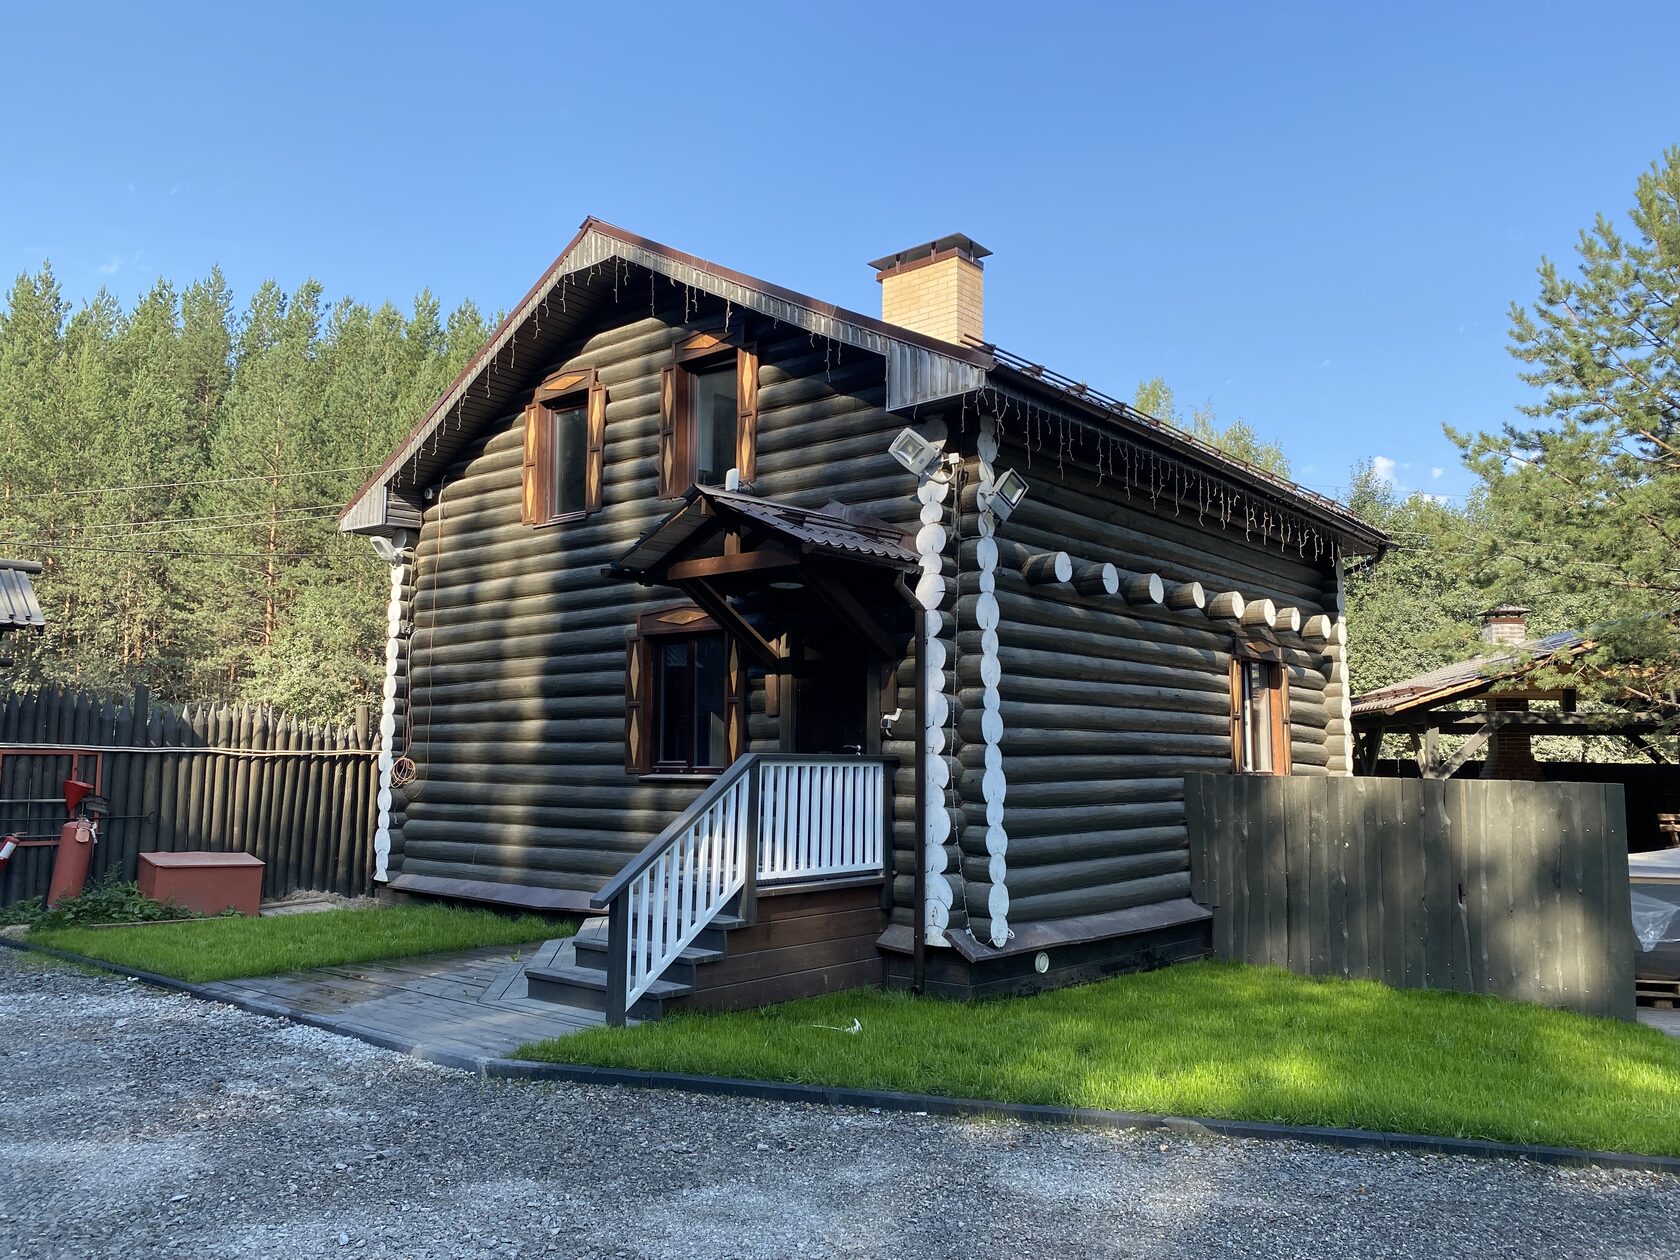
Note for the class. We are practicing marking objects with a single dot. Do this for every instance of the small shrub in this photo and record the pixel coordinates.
(108, 901)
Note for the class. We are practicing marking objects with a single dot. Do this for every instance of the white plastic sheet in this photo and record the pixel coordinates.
(1654, 920)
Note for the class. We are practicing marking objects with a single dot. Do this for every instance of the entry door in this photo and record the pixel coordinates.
(831, 709)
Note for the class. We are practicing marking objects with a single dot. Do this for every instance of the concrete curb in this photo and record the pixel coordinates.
(885, 1100)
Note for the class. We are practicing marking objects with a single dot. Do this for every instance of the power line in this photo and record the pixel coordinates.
(202, 481)
(254, 514)
(39, 545)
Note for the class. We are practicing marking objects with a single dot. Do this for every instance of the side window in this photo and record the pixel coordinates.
(1259, 716)
(565, 445)
(708, 413)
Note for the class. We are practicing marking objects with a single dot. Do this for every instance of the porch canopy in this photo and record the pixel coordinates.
(790, 560)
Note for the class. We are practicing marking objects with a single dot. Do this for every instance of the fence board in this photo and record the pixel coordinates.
(209, 778)
(1519, 890)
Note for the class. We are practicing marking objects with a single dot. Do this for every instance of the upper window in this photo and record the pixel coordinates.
(565, 439)
(716, 425)
(708, 413)
(1259, 716)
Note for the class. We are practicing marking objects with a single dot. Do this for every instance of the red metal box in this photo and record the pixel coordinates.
(207, 882)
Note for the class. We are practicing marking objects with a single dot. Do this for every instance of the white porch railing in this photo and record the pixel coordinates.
(772, 817)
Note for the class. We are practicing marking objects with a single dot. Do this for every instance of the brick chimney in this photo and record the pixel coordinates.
(935, 289)
(1506, 624)
(1510, 753)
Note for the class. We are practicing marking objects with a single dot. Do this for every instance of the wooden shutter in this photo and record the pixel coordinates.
(670, 457)
(636, 712)
(532, 507)
(735, 703)
(746, 395)
(1237, 715)
(1282, 743)
(595, 469)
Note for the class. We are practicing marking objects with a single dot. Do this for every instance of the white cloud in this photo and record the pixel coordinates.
(110, 268)
(1382, 468)
(1436, 473)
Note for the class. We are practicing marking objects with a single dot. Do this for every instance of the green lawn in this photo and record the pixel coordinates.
(200, 950)
(1209, 1040)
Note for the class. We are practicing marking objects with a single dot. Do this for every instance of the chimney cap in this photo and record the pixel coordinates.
(966, 246)
(1505, 610)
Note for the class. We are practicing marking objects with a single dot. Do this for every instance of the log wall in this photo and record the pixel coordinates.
(1106, 703)
(515, 718)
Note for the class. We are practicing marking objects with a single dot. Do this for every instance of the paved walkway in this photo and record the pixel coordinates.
(1662, 1019)
(472, 1003)
(140, 1123)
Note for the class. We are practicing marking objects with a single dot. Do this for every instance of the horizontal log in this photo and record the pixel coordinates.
(1097, 579)
(1099, 898)
(1186, 597)
(1227, 605)
(1259, 612)
(1042, 880)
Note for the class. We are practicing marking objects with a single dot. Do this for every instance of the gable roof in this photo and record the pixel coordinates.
(835, 531)
(919, 370)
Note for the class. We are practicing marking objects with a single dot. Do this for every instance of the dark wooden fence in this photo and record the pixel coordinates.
(1514, 889)
(223, 778)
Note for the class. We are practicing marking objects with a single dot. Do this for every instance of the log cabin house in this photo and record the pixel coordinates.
(819, 649)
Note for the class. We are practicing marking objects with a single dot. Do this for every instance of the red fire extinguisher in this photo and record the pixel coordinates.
(75, 844)
(8, 846)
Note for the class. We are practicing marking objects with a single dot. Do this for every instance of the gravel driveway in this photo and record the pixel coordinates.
(136, 1123)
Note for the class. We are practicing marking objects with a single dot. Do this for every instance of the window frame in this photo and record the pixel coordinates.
(650, 633)
(560, 393)
(1270, 656)
(679, 454)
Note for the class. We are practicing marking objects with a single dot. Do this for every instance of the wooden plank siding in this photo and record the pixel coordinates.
(1514, 889)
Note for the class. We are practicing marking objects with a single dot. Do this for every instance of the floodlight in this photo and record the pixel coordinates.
(914, 451)
(1005, 495)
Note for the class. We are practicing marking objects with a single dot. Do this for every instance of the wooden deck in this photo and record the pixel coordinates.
(470, 1003)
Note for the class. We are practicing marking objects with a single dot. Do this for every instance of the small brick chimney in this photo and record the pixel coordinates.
(1510, 753)
(1508, 623)
(935, 289)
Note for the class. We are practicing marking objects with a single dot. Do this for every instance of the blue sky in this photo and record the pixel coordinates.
(1310, 216)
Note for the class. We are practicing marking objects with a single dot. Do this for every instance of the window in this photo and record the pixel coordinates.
(716, 422)
(1259, 715)
(565, 441)
(688, 698)
(684, 695)
(708, 413)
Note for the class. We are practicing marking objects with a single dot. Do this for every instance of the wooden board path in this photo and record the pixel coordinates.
(471, 1003)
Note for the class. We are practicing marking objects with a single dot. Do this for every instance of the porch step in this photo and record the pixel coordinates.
(577, 975)
(590, 953)
(586, 988)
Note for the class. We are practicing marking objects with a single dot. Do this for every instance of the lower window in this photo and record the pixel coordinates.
(1259, 717)
(690, 722)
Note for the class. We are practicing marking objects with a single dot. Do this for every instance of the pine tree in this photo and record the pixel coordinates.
(1584, 501)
